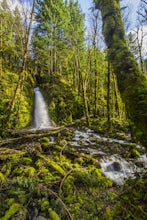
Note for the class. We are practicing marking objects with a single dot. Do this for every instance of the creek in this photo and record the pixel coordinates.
(112, 154)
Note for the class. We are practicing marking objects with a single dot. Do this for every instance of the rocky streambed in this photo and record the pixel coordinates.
(119, 159)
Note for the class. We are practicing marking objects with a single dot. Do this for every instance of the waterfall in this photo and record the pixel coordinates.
(41, 116)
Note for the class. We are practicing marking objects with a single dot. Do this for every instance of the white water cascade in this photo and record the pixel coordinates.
(41, 116)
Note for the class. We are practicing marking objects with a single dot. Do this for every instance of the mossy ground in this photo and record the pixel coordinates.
(53, 181)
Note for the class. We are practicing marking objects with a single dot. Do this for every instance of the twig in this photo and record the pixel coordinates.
(67, 174)
(56, 195)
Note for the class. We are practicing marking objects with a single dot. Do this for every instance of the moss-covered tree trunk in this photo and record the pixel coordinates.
(131, 82)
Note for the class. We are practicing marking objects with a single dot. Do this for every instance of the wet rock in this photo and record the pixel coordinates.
(115, 166)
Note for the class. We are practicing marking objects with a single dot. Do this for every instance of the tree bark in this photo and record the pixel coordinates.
(1, 44)
(131, 82)
(108, 96)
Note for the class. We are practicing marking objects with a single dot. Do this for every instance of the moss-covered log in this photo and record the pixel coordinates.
(132, 83)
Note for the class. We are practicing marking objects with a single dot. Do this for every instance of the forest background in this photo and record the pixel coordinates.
(46, 44)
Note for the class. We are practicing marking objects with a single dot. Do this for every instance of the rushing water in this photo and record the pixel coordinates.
(109, 151)
(117, 169)
(41, 116)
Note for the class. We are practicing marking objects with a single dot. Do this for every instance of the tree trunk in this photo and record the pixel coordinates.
(131, 82)
(108, 96)
(1, 44)
(82, 84)
(116, 102)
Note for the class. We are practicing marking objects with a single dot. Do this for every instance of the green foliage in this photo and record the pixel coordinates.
(26, 160)
(2, 178)
(133, 151)
(44, 205)
(53, 164)
(23, 106)
(65, 104)
(53, 214)
(14, 208)
(132, 204)
(91, 178)
(45, 140)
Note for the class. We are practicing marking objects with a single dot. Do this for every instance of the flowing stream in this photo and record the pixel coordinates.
(111, 154)
(41, 116)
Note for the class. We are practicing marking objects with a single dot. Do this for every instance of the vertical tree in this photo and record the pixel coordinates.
(49, 35)
(98, 64)
(132, 83)
(75, 40)
(95, 33)
(108, 95)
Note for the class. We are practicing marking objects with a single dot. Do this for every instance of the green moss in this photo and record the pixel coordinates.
(132, 151)
(68, 135)
(8, 167)
(91, 177)
(79, 160)
(132, 203)
(14, 208)
(10, 201)
(45, 140)
(44, 205)
(44, 145)
(29, 171)
(53, 164)
(44, 173)
(24, 171)
(68, 185)
(53, 214)
(135, 153)
(26, 160)
(2, 178)
(58, 148)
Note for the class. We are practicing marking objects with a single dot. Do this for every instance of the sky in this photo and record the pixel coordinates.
(132, 8)
(132, 4)
(86, 4)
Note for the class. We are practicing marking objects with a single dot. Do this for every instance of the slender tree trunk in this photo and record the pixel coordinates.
(1, 44)
(82, 83)
(117, 104)
(131, 82)
(108, 96)
(95, 83)
(85, 103)
(140, 45)
(1, 66)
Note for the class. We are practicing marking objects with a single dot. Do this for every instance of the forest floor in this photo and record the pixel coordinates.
(71, 172)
